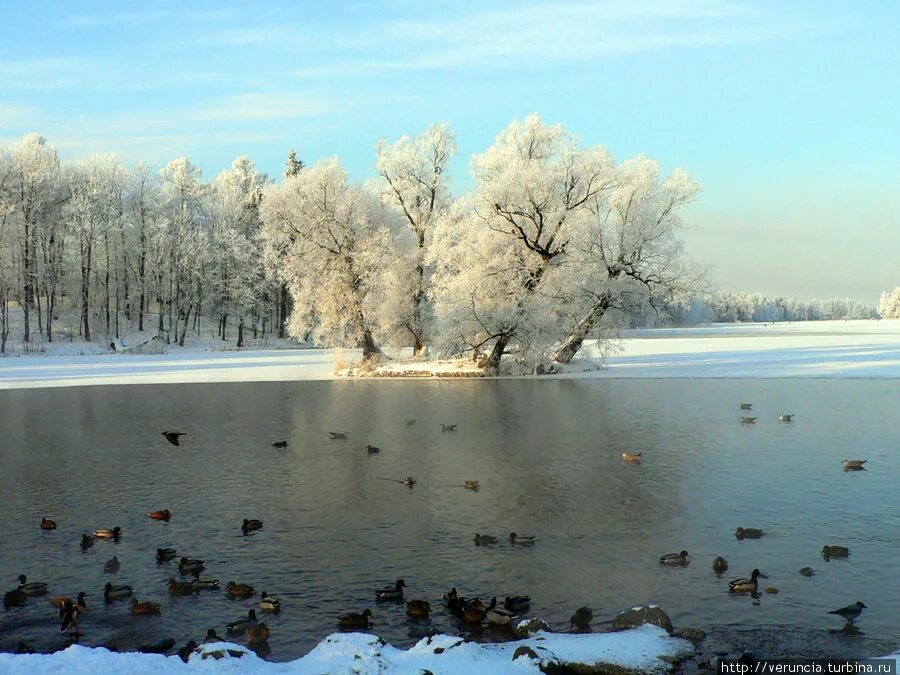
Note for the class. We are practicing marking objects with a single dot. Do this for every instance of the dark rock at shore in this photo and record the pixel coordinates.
(637, 616)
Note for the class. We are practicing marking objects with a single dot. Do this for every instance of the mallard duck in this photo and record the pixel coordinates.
(748, 420)
(242, 624)
(59, 601)
(269, 603)
(372, 450)
(211, 637)
(279, 444)
(419, 609)
(114, 533)
(484, 540)
(474, 612)
(448, 427)
(47, 524)
(748, 533)
(31, 588)
(239, 590)
(185, 652)
(517, 603)
(807, 572)
(786, 418)
(257, 634)
(632, 456)
(835, 552)
(448, 596)
(456, 605)
(409, 423)
(14, 598)
(334, 435)
(112, 593)
(191, 566)
(581, 619)
(165, 515)
(251, 525)
(409, 481)
(521, 539)
(850, 612)
(144, 608)
(853, 464)
(746, 406)
(355, 619)
(204, 584)
(173, 436)
(112, 565)
(163, 554)
(498, 616)
(746, 584)
(394, 592)
(180, 587)
(68, 616)
(473, 485)
(675, 558)
(720, 564)
(86, 541)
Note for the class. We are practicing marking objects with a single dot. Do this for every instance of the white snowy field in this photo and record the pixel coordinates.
(825, 349)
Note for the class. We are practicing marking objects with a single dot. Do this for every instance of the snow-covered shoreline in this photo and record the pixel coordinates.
(823, 349)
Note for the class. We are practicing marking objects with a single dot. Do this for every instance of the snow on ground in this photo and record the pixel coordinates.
(858, 349)
(643, 648)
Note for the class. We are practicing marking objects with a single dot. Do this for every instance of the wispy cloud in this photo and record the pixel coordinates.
(146, 16)
(45, 73)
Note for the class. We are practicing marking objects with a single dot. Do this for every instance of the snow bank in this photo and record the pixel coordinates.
(647, 649)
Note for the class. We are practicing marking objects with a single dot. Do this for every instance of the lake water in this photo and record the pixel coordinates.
(547, 455)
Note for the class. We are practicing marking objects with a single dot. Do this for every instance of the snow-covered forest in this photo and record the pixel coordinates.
(554, 244)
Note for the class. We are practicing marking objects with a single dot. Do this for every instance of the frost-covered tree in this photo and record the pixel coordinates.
(413, 173)
(889, 305)
(332, 249)
(292, 165)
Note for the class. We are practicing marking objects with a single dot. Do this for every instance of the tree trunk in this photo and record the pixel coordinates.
(85, 299)
(370, 349)
(240, 340)
(282, 310)
(572, 344)
(492, 365)
(184, 330)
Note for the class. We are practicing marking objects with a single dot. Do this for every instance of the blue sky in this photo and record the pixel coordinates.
(786, 113)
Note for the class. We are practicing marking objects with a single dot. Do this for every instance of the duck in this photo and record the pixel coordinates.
(47, 524)
(211, 637)
(86, 541)
(355, 619)
(448, 596)
(112, 593)
(411, 422)
(372, 450)
(746, 406)
(473, 485)
(269, 603)
(257, 634)
(632, 456)
(581, 620)
(521, 539)
(853, 464)
(173, 436)
(517, 603)
(60, 600)
(160, 647)
(720, 565)
(164, 514)
(785, 418)
(748, 420)
(112, 565)
(835, 552)
(448, 427)
(204, 584)
(746, 584)
(850, 612)
(239, 590)
(394, 592)
(185, 652)
(409, 481)
(114, 533)
(474, 612)
(456, 606)
(419, 609)
(251, 525)
(242, 624)
(748, 533)
(806, 572)
(190, 566)
(675, 558)
(163, 554)
(498, 616)
(14, 598)
(335, 435)
(68, 616)
(144, 608)
(279, 444)
(180, 587)
(484, 540)
(33, 587)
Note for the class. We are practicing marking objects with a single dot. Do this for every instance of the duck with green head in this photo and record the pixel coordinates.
(675, 558)
(746, 584)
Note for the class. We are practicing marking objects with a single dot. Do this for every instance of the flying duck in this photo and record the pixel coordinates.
(173, 436)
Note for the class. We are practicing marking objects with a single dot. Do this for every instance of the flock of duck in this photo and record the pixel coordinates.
(471, 611)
